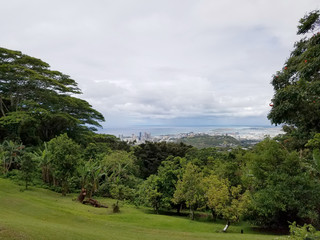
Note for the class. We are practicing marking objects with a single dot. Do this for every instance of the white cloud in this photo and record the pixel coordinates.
(141, 61)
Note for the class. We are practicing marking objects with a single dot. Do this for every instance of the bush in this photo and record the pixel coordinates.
(305, 232)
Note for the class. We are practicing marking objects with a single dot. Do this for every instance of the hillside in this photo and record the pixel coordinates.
(42, 214)
(205, 141)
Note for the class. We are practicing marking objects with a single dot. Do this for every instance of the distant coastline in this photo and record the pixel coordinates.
(173, 130)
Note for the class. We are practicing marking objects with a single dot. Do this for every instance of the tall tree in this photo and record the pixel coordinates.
(37, 103)
(149, 192)
(120, 173)
(225, 200)
(190, 189)
(296, 101)
(283, 186)
(64, 158)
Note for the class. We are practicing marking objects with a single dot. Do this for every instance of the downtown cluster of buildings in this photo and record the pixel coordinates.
(253, 134)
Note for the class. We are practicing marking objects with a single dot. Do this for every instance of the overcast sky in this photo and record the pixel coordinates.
(162, 61)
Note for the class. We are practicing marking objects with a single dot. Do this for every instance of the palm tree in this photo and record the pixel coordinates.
(10, 154)
(45, 163)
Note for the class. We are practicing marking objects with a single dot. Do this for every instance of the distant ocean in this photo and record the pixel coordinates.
(173, 130)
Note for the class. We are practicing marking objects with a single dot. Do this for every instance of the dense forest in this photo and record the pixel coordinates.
(48, 138)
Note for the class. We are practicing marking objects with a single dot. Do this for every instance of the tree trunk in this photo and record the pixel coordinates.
(227, 226)
(156, 209)
(90, 193)
(82, 195)
(214, 216)
(1, 107)
(179, 208)
(64, 187)
(191, 213)
(94, 203)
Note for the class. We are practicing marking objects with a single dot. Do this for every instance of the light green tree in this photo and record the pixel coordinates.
(305, 232)
(190, 189)
(149, 193)
(216, 193)
(225, 200)
(43, 157)
(89, 175)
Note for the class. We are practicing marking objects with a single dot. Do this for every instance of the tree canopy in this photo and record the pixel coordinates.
(297, 85)
(37, 103)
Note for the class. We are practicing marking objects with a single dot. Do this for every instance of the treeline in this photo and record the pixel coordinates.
(269, 185)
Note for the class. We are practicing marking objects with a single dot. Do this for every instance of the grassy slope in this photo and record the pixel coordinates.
(41, 214)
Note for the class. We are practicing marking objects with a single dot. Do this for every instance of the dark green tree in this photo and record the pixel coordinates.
(149, 192)
(169, 172)
(64, 158)
(296, 101)
(150, 155)
(89, 176)
(37, 103)
(27, 168)
(158, 190)
(283, 186)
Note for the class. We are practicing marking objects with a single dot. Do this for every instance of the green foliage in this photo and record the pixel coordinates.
(305, 232)
(204, 157)
(282, 187)
(229, 166)
(150, 155)
(89, 173)
(10, 153)
(96, 150)
(169, 172)
(206, 141)
(309, 22)
(149, 192)
(41, 214)
(105, 142)
(225, 200)
(44, 159)
(120, 174)
(27, 168)
(36, 103)
(294, 138)
(314, 142)
(297, 84)
(217, 193)
(189, 189)
(158, 190)
(64, 158)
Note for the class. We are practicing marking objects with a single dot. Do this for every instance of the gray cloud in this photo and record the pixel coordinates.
(151, 61)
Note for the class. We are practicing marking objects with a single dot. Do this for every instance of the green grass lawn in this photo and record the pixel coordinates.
(42, 214)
